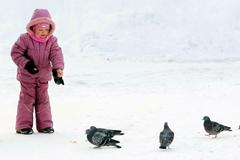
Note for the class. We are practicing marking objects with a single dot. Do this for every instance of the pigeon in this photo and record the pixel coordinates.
(103, 137)
(214, 128)
(166, 137)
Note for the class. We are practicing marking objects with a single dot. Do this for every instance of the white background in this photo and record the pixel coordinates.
(131, 65)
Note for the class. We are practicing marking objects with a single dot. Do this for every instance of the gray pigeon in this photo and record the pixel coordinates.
(214, 128)
(103, 137)
(166, 137)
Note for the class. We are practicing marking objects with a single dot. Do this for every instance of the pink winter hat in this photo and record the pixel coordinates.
(41, 18)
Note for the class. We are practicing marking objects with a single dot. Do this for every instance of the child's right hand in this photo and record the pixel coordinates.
(31, 67)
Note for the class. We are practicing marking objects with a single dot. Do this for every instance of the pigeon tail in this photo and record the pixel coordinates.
(113, 142)
(117, 146)
(117, 132)
(226, 128)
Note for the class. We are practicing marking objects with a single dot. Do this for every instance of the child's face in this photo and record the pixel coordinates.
(41, 32)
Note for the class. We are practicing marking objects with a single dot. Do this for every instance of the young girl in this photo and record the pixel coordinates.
(37, 56)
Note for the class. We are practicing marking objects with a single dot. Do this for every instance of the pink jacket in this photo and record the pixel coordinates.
(46, 55)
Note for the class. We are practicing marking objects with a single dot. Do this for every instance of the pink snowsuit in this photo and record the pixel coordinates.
(46, 55)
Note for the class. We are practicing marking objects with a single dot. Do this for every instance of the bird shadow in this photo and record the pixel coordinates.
(104, 148)
(166, 150)
(221, 137)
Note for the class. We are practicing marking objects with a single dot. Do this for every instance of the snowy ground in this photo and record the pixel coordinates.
(131, 65)
(137, 98)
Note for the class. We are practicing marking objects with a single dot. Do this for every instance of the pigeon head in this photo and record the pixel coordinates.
(87, 131)
(166, 125)
(206, 118)
(91, 130)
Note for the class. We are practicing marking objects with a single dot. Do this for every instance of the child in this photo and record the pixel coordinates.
(37, 56)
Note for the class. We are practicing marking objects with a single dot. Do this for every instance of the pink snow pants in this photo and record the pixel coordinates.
(34, 96)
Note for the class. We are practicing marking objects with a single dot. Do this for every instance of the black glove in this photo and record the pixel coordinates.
(57, 80)
(31, 68)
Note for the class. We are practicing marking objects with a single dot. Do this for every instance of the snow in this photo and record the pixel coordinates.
(131, 65)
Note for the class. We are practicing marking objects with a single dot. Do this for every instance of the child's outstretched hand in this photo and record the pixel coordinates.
(57, 76)
(59, 72)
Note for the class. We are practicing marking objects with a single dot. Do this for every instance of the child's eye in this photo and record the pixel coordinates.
(46, 30)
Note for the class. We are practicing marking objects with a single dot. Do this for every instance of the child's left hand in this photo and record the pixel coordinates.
(57, 76)
(59, 72)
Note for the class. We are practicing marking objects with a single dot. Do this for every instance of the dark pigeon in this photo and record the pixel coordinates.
(103, 137)
(214, 128)
(166, 137)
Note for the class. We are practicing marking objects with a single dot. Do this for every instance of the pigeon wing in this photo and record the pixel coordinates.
(166, 138)
(163, 138)
(216, 127)
(99, 138)
(110, 132)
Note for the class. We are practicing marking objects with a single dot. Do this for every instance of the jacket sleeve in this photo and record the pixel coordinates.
(17, 52)
(56, 56)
